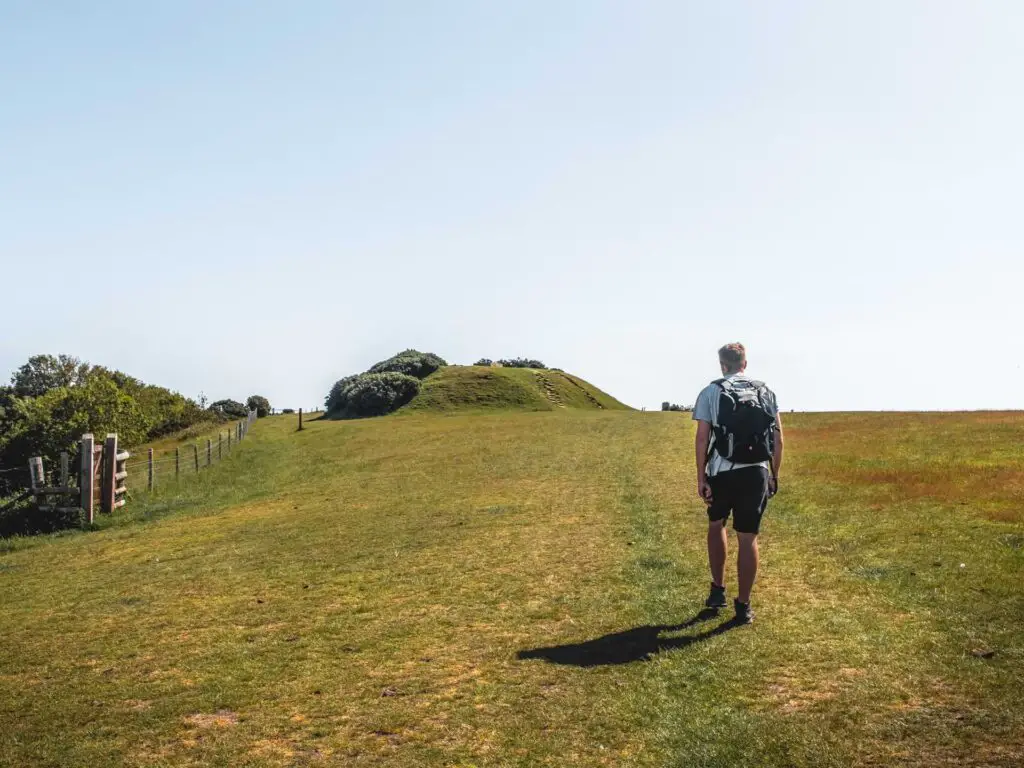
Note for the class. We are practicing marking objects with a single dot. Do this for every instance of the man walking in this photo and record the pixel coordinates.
(739, 455)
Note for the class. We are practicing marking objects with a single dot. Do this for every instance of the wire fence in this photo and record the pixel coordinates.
(113, 477)
(13, 481)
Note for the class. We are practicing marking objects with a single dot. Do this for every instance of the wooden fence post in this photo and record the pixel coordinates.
(209, 451)
(35, 469)
(150, 483)
(229, 440)
(108, 482)
(300, 419)
(87, 476)
(220, 446)
(195, 455)
(63, 469)
(177, 463)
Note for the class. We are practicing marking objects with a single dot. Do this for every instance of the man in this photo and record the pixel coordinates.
(739, 455)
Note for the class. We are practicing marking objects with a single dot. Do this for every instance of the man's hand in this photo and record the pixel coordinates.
(773, 486)
(704, 490)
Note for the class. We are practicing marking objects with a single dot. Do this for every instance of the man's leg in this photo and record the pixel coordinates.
(718, 550)
(746, 563)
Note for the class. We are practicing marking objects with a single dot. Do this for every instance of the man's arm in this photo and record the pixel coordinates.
(777, 453)
(702, 441)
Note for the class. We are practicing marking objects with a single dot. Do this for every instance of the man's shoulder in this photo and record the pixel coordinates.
(703, 408)
(711, 390)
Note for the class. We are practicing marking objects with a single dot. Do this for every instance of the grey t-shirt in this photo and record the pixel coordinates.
(706, 409)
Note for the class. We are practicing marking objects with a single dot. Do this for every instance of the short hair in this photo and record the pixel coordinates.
(733, 356)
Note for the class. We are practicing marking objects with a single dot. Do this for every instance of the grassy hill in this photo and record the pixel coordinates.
(524, 589)
(471, 387)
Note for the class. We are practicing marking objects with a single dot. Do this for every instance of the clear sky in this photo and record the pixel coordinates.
(239, 197)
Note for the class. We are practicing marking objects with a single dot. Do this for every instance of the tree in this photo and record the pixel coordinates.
(45, 372)
(259, 404)
(55, 421)
(229, 409)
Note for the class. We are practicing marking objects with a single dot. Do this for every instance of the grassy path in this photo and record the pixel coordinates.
(522, 590)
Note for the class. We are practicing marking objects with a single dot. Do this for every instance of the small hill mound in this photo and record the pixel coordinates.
(472, 387)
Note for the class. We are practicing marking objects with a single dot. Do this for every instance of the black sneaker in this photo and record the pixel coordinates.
(743, 613)
(717, 598)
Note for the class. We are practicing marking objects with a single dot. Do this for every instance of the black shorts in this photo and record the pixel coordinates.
(744, 492)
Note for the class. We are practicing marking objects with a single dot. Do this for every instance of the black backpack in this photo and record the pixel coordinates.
(745, 431)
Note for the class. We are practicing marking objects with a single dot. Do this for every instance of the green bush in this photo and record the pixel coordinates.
(23, 519)
(387, 386)
(56, 421)
(484, 361)
(371, 394)
(337, 399)
(166, 412)
(522, 362)
(411, 363)
(259, 404)
(229, 409)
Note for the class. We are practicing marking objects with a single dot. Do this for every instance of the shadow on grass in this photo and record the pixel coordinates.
(638, 644)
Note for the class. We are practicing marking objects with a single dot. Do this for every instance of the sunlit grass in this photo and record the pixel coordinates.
(524, 589)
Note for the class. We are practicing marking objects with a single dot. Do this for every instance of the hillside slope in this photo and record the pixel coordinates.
(472, 387)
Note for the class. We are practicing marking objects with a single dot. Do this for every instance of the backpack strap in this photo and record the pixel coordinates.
(721, 384)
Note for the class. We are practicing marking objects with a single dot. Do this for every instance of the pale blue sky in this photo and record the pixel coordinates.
(241, 197)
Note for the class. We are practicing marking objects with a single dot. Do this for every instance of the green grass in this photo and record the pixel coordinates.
(470, 387)
(520, 589)
(197, 434)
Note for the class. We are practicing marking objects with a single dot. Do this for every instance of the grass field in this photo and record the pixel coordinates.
(521, 589)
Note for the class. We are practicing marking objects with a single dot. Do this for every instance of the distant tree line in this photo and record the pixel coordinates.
(517, 362)
(667, 406)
